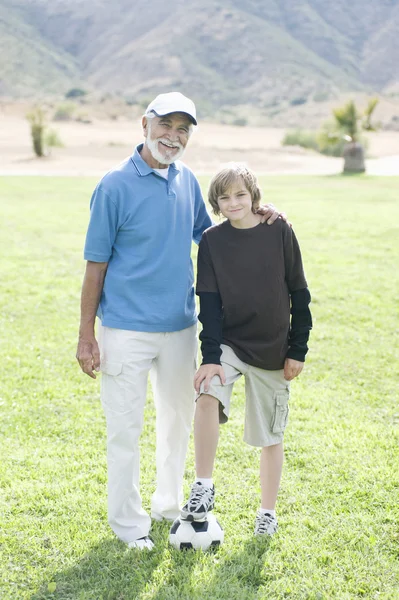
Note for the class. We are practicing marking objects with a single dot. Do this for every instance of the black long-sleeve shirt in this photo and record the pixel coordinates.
(253, 295)
(211, 317)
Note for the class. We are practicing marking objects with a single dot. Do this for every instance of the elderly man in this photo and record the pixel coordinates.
(139, 281)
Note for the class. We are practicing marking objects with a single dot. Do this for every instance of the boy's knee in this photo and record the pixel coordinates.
(207, 402)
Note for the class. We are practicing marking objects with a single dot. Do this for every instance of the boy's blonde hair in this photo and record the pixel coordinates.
(223, 181)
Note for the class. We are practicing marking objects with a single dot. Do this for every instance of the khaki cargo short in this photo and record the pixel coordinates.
(266, 393)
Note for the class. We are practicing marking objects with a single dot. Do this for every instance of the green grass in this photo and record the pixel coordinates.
(338, 505)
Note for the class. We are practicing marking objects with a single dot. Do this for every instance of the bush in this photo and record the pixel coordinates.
(332, 143)
(325, 141)
(52, 140)
(75, 93)
(240, 122)
(42, 137)
(301, 137)
(321, 97)
(298, 101)
(64, 112)
(37, 118)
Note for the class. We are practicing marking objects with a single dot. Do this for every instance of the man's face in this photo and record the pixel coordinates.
(167, 137)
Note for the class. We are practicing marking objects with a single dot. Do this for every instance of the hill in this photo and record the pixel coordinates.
(226, 54)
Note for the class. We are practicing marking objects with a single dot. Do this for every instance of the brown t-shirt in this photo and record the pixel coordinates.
(254, 271)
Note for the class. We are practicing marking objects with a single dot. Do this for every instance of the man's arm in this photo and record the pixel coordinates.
(88, 353)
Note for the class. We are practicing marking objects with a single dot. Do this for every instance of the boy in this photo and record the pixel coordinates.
(250, 277)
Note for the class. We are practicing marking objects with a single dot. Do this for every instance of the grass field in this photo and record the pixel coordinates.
(338, 505)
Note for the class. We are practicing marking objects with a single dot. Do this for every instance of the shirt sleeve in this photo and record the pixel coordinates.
(294, 274)
(206, 277)
(103, 227)
(301, 324)
(202, 220)
(211, 317)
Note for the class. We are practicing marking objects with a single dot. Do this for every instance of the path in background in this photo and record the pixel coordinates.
(92, 149)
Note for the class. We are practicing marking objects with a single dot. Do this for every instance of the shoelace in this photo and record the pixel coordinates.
(198, 493)
(263, 522)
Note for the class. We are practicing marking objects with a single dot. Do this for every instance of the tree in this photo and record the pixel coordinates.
(348, 123)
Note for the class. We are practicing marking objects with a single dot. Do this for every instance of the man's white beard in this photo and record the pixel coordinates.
(152, 146)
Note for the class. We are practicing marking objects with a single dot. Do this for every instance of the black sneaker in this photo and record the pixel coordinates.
(200, 502)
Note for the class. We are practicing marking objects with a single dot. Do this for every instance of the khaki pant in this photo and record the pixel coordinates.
(127, 357)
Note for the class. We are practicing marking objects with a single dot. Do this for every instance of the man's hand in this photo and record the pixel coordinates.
(88, 356)
(292, 368)
(205, 373)
(270, 213)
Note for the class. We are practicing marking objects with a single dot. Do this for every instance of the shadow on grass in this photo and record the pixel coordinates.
(233, 576)
(112, 572)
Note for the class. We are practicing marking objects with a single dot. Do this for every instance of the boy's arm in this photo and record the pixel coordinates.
(210, 316)
(210, 305)
(301, 324)
(301, 318)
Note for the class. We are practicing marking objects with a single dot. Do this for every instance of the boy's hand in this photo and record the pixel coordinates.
(269, 213)
(205, 373)
(292, 368)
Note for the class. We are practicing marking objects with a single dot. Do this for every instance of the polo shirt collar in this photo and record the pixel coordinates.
(142, 167)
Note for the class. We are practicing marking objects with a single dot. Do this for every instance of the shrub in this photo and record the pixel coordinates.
(326, 141)
(38, 119)
(42, 137)
(52, 140)
(75, 93)
(298, 101)
(240, 122)
(321, 97)
(332, 143)
(301, 137)
(64, 112)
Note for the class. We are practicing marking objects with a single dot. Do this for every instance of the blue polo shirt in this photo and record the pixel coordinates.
(143, 226)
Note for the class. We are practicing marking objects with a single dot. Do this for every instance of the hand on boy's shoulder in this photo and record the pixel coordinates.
(205, 374)
(292, 368)
(269, 213)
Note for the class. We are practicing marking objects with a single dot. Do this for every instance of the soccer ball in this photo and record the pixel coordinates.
(196, 534)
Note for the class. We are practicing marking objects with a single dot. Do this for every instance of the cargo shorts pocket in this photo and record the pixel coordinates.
(281, 410)
(113, 390)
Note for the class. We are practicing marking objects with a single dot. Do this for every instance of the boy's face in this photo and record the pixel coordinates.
(236, 203)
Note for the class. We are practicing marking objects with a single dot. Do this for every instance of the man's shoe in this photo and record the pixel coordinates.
(200, 502)
(265, 524)
(143, 543)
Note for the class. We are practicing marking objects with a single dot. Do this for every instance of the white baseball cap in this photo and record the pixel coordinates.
(164, 104)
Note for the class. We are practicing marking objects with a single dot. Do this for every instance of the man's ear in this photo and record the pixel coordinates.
(144, 124)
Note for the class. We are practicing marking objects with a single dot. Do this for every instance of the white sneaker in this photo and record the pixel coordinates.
(200, 502)
(143, 543)
(265, 524)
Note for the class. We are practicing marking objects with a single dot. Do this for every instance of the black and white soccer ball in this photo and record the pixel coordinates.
(196, 534)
